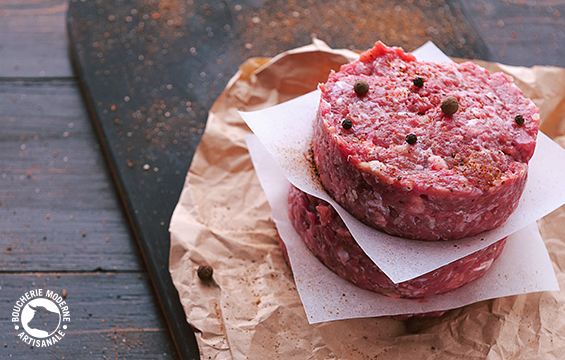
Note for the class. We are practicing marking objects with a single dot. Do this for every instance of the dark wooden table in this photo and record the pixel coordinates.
(62, 225)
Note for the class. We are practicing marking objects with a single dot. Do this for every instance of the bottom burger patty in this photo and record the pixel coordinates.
(327, 236)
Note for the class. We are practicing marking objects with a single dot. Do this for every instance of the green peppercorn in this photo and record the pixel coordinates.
(449, 105)
(361, 87)
(418, 82)
(347, 124)
(411, 139)
(519, 119)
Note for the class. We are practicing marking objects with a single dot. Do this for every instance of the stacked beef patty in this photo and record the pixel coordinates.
(327, 236)
(407, 168)
(420, 150)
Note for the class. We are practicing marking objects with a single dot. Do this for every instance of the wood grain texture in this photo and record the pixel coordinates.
(58, 208)
(150, 70)
(112, 316)
(32, 39)
(523, 33)
(265, 28)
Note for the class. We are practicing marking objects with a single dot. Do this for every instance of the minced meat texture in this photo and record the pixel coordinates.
(404, 166)
(327, 236)
(474, 147)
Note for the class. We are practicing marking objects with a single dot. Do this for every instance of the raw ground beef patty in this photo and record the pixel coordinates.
(327, 236)
(395, 161)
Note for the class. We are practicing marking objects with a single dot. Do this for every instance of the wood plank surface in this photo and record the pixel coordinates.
(58, 208)
(265, 28)
(523, 33)
(61, 224)
(113, 316)
(33, 42)
(150, 71)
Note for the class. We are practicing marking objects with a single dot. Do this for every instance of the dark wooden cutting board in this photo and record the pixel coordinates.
(150, 71)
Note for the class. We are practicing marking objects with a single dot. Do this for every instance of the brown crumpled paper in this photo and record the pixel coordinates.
(252, 310)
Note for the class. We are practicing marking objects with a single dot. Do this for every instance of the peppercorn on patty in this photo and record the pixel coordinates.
(423, 150)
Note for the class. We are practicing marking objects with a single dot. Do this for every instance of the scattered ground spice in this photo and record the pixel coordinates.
(354, 25)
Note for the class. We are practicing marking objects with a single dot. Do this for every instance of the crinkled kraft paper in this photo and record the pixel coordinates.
(252, 309)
